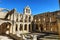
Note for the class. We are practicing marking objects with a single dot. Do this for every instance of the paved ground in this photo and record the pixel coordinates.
(34, 36)
(41, 36)
(50, 37)
(5, 38)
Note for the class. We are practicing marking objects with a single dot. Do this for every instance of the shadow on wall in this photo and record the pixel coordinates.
(3, 27)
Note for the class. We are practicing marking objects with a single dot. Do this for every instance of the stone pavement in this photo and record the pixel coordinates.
(5, 38)
(32, 36)
(50, 37)
(41, 36)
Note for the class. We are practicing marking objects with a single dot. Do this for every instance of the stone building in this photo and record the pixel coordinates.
(12, 22)
(46, 22)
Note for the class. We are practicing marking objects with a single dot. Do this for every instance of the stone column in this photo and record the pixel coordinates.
(30, 27)
(14, 27)
(19, 18)
(18, 31)
(27, 27)
(23, 27)
(11, 28)
(23, 23)
(7, 32)
(59, 26)
(28, 19)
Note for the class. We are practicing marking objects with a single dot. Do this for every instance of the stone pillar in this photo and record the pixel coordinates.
(14, 27)
(19, 18)
(27, 27)
(18, 31)
(58, 26)
(39, 27)
(23, 27)
(28, 19)
(23, 18)
(23, 23)
(30, 27)
(11, 28)
(8, 31)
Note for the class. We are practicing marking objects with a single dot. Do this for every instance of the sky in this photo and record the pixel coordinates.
(37, 6)
(59, 4)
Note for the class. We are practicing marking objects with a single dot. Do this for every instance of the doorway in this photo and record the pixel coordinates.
(3, 27)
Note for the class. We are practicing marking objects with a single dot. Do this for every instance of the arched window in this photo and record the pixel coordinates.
(29, 25)
(50, 19)
(21, 27)
(16, 27)
(30, 28)
(41, 27)
(29, 18)
(26, 18)
(17, 18)
(25, 27)
(21, 20)
(37, 26)
(27, 10)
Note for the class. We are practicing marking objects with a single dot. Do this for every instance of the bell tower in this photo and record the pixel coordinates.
(27, 10)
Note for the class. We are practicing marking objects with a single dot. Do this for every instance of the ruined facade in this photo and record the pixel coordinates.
(46, 22)
(12, 22)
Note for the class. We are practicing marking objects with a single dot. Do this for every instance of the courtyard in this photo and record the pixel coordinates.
(40, 36)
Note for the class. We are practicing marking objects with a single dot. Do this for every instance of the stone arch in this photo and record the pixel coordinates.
(4, 27)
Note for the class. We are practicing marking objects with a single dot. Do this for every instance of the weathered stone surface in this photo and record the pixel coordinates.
(46, 22)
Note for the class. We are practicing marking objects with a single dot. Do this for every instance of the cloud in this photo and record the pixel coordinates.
(2, 9)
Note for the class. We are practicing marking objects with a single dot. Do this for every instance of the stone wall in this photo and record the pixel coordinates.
(46, 22)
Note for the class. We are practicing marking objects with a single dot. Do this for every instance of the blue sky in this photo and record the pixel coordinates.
(37, 6)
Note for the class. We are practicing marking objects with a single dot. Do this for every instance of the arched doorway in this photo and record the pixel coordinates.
(25, 28)
(41, 27)
(5, 27)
